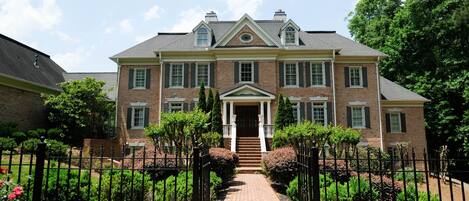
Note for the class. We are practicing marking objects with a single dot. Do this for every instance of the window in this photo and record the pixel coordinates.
(317, 74)
(319, 113)
(177, 75)
(202, 36)
(291, 78)
(296, 112)
(140, 78)
(355, 77)
(395, 122)
(246, 72)
(246, 37)
(290, 35)
(138, 117)
(358, 117)
(202, 74)
(176, 107)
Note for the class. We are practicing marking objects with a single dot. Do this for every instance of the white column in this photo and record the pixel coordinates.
(233, 128)
(269, 118)
(224, 113)
(261, 128)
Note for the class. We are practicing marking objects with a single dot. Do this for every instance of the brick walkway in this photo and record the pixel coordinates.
(250, 187)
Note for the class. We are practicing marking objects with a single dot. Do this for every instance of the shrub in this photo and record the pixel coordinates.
(55, 192)
(152, 166)
(125, 186)
(355, 192)
(374, 162)
(410, 195)
(292, 190)
(182, 192)
(341, 173)
(7, 143)
(223, 163)
(409, 176)
(211, 139)
(19, 136)
(280, 165)
(55, 134)
(30, 145)
(280, 139)
(56, 149)
(32, 134)
(7, 128)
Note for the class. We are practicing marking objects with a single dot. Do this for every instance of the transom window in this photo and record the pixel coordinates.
(291, 74)
(175, 107)
(395, 122)
(358, 117)
(355, 76)
(138, 117)
(319, 113)
(202, 36)
(177, 75)
(317, 74)
(290, 35)
(246, 72)
(139, 78)
(202, 74)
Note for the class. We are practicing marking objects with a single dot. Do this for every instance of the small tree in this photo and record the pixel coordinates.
(217, 124)
(280, 114)
(209, 103)
(201, 104)
(289, 119)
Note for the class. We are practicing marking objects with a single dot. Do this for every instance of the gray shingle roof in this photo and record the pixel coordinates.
(309, 40)
(395, 92)
(110, 78)
(17, 60)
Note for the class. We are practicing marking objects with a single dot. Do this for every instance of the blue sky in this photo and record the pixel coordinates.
(82, 35)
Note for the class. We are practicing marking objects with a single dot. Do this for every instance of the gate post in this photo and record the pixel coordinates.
(315, 173)
(196, 174)
(39, 169)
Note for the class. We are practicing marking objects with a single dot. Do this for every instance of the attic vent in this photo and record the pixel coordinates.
(36, 61)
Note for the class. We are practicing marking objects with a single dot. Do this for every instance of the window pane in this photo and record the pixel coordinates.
(202, 36)
(177, 75)
(246, 72)
(202, 74)
(139, 116)
(319, 113)
(395, 122)
(290, 74)
(290, 35)
(295, 112)
(140, 78)
(175, 107)
(355, 77)
(357, 117)
(316, 75)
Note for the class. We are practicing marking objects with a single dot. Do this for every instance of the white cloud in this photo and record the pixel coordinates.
(20, 17)
(238, 8)
(65, 37)
(109, 30)
(153, 13)
(126, 26)
(188, 20)
(72, 61)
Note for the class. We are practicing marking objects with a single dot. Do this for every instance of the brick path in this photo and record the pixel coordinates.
(250, 187)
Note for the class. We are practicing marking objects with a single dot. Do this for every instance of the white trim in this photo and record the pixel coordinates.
(378, 97)
(138, 104)
(132, 119)
(323, 69)
(333, 86)
(134, 78)
(294, 98)
(324, 107)
(298, 115)
(170, 105)
(292, 24)
(394, 110)
(197, 75)
(362, 108)
(318, 98)
(399, 121)
(171, 75)
(160, 105)
(176, 99)
(247, 58)
(357, 103)
(196, 34)
(296, 75)
(252, 72)
(360, 72)
(280, 58)
(398, 143)
(188, 60)
(225, 94)
(248, 41)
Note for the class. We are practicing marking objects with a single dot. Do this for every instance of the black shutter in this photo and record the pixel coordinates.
(365, 77)
(256, 72)
(131, 78)
(148, 78)
(367, 117)
(349, 117)
(302, 111)
(280, 73)
(236, 72)
(185, 107)
(307, 74)
(166, 75)
(403, 123)
(329, 113)
(346, 77)
(147, 117)
(301, 74)
(327, 71)
(193, 77)
(388, 123)
(309, 111)
(129, 118)
(212, 74)
(186, 75)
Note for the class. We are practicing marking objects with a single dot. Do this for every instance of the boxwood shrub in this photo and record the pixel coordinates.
(280, 165)
(7, 143)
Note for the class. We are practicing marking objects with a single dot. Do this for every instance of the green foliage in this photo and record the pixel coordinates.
(7, 143)
(54, 192)
(19, 136)
(216, 118)
(30, 145)
(411, 196)
(81, 110)
(7, 128)
(124, 186)
(292, 190)
(280, 114)
(409, 176)
(211, 139)
(202, 104)
(223, 163)
(209, 103)
(183, 192)
(55, 134)
(358, 189)
(374, 163)
(56, 148)
(280, 165)
(289, 119)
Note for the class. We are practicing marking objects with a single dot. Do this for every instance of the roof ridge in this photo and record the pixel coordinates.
(311, 32)
(172, 33)
(23, 45)
(89, 72)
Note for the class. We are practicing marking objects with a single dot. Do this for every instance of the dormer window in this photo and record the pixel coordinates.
(290, 33)
(202, 36)
(290, 36)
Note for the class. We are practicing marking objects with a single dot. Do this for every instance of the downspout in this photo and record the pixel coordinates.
(379, 105)
(161, 88)
(333, 86)
(116, 115)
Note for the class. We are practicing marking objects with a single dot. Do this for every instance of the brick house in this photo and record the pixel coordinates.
(329, 78)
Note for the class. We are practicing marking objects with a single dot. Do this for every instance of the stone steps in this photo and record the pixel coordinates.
(249, 151)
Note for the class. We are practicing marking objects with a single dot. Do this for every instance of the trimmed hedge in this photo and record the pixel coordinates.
(223, 162)
(7, 143)
(280, 165)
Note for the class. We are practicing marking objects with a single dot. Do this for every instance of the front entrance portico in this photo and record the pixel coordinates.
(246, 110)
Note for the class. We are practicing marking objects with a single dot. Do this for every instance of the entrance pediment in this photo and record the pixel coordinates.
(247, 92)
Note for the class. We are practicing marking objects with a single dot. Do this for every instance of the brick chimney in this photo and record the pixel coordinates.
(280, 15)
(211, 17)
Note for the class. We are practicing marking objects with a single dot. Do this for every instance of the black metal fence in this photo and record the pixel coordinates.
(45, 174)
(368, 174)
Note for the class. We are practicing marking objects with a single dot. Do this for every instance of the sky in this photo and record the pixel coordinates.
(81, 35)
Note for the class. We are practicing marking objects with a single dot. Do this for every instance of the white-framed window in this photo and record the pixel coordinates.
(291, 74)
(176, 106)
(202, 36)
(395, 122)
(358, 116)
(140, 75)
(290, 35)
(138, 117)
(319, 113)
(296, 112)
(246, 72)
(203, 74)
(355, 76)
(318, 77)
(176, 75)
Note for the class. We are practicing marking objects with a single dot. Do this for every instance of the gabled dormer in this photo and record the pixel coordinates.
(202, 35)
(289, 33)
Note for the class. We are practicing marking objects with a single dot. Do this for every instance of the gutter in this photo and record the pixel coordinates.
(379, 105)
(40, 88)
(161, 87)
(333, 86)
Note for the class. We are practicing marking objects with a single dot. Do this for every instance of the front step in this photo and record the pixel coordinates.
(249, 151)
